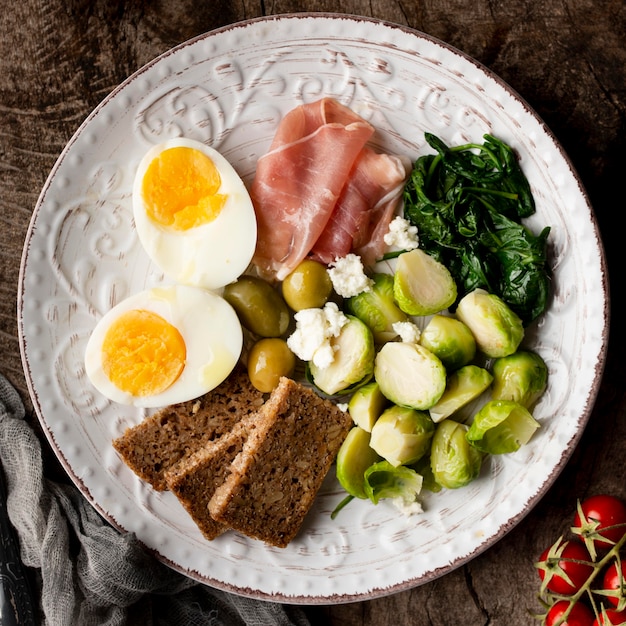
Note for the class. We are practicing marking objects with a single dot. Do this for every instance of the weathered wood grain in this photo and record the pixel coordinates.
(567, 58)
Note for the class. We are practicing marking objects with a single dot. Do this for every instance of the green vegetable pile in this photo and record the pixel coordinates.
(436, 407)
(468, 203)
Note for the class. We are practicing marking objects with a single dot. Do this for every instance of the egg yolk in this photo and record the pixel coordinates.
(180, 189)
(142, 353)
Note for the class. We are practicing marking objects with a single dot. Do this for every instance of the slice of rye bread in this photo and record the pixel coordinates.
(194, 479)
(161, 440)
(274, 479)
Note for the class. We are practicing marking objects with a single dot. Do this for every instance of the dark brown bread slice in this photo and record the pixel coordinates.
(195, 479)
(273, 481)
(164, 438)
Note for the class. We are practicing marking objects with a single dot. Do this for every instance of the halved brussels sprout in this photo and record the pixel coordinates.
(455, 463)
(366, 405)
(354, 457)
(383, 480)
(501, 426)
(402, 435)
(422, 285)
(353, 359)
(449, 339)
(521, 377)
(409, 375)
(498, 330)
(377, 308)
(462, 386)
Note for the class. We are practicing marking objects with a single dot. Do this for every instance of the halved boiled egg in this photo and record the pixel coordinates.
(164, 345)
(193, 214)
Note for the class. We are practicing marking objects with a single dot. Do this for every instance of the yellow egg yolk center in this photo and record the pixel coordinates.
(142, 353)
(180, 189)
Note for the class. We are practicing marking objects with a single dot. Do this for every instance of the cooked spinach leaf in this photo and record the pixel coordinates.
(468, 203)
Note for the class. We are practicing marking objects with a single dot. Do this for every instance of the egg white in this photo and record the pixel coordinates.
(213, 254)
(211, 331)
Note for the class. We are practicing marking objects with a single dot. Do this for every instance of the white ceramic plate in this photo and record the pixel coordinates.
(230, 88)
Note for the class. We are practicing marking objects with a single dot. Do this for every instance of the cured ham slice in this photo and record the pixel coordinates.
(366, 206)
(298, 182)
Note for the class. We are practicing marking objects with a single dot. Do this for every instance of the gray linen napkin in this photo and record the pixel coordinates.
(87, 572)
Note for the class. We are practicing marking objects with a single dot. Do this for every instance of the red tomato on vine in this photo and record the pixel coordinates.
(564, 567)
(579, 615)
(614, 584)
(600, 521)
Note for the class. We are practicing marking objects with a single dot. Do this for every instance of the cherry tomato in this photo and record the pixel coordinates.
(610, 617)
(614, 582)
(580, 615)
(602, 516)
(561, 569)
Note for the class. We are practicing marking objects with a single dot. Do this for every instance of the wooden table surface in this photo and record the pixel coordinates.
(567, 58)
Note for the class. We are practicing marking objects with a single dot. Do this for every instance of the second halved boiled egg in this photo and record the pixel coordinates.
(164, 345)
(193, 214)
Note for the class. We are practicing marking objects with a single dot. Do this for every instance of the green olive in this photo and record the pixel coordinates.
(259, 306)
(268, 360)
(308, 286)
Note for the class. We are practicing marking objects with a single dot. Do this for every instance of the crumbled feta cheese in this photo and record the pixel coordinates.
(310, 341)
(402, 234)
(408, 331)
(343, 406)
(408, 508)
(348, 276)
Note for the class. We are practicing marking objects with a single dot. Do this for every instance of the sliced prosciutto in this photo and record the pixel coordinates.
(364, 210)
(298, 182)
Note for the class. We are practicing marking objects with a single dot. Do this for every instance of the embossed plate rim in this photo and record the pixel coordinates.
(324, 565)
